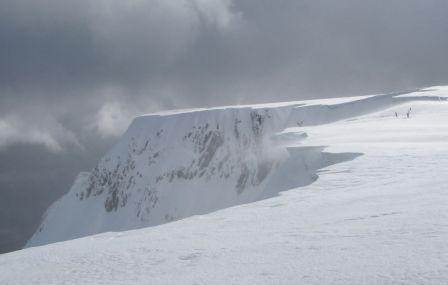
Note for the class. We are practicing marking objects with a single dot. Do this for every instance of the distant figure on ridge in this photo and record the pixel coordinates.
(408, 113)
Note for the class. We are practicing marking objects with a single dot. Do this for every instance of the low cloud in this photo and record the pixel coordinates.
(67, 59)
(49, 133)
(112, 119)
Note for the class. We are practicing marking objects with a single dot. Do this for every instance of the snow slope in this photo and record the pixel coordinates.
(379, 217)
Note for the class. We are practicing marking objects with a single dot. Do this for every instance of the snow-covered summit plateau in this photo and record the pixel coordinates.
(368, 199)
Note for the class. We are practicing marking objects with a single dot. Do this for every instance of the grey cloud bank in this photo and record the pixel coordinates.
(74, 73)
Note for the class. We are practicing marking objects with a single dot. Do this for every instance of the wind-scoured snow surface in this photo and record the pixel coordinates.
(340, 191)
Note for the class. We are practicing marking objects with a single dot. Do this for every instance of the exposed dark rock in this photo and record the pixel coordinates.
(242, 179)
(111, 203)
(216, 141)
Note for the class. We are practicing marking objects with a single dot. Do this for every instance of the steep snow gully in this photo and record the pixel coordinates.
(172, 165)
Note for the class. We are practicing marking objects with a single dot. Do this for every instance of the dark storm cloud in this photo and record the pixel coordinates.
(165, 54)
(56, 54)
(74, 73)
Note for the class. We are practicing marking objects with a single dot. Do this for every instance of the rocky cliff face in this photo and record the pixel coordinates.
(167, 167)
(223, 147)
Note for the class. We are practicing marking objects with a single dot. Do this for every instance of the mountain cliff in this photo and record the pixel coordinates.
(172, 165)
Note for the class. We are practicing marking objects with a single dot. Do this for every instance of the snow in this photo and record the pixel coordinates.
(376, 215)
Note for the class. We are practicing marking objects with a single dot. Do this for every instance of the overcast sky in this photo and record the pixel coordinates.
(74, 73)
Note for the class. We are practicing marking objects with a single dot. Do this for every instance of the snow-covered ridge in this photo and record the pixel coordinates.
(176, 164)
(377, 219)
